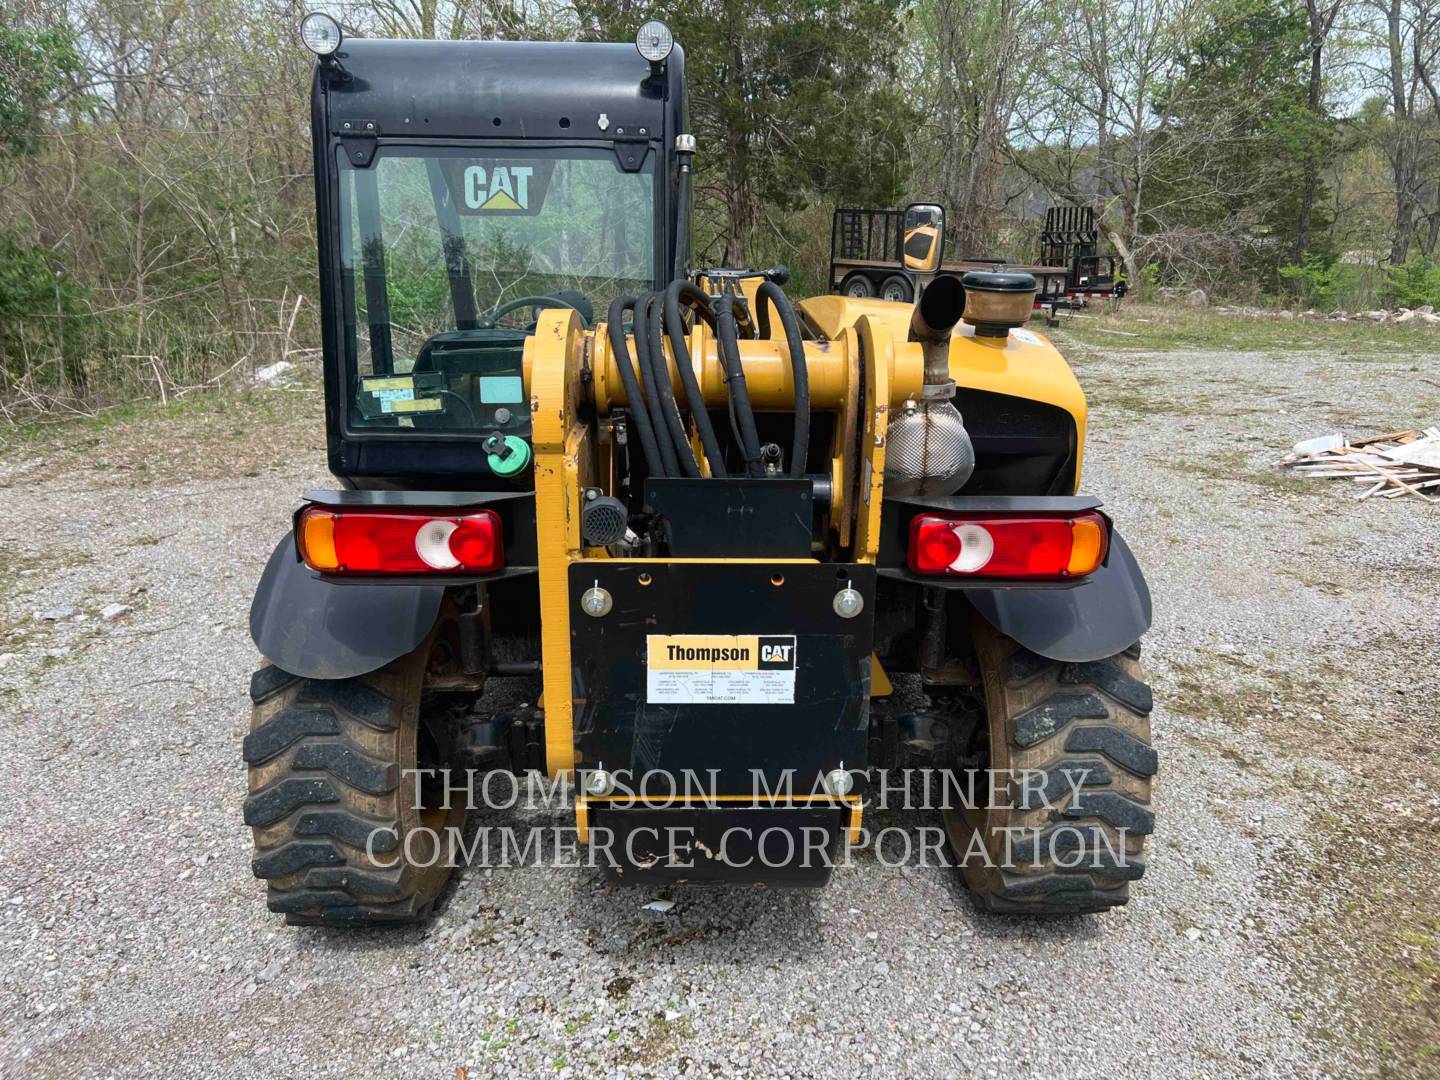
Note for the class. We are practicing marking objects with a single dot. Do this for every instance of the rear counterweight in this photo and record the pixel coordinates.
(742, 674)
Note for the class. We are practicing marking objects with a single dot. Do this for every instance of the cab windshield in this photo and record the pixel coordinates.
(441, 248)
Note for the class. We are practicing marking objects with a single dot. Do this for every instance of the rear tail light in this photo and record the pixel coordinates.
(1018, 546)
(387, 542)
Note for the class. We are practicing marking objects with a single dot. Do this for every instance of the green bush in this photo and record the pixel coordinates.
(1321, 278)
(1415, 284)
(26, 284)
(1149, 278)
(38, 307)
(34, 64)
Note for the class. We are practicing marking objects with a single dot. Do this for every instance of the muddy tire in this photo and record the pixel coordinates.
(328, 778)
(1078, 814)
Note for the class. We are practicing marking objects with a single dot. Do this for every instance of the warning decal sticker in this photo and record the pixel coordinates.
(720, 669)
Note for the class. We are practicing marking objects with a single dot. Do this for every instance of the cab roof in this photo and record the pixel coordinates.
(502, 90)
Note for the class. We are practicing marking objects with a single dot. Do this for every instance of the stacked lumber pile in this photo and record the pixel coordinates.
(1393, 465)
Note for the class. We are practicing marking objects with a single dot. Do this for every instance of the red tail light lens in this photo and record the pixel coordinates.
(1018, 546)
(387, 542)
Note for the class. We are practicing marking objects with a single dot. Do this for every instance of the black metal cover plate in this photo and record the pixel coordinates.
(734, 518)
(743, 724)
(793, 846)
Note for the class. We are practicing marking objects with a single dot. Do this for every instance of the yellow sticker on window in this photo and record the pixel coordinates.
(388, 382)
(429, 404)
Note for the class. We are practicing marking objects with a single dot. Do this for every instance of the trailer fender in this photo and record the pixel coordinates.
(1105, 615)
(317, 629)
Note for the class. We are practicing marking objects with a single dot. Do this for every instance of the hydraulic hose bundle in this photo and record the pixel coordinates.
(656, 412)
(697, 301)
(768, 295)
(639, 416)
(659, 396)
(742, 413)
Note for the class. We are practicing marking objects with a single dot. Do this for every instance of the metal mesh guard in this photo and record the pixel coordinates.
(928, 451)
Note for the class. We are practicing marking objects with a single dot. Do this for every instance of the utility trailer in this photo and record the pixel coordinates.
(1071, 240)
(868, 248)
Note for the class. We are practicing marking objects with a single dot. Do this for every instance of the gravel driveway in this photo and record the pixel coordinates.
(1297, 791)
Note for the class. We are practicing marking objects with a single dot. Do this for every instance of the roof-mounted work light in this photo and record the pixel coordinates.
(320, 33)
(655, 42)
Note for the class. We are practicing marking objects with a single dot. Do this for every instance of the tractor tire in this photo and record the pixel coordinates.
(1075, 728)
(328, 777)
(897, 289)
(857, 286)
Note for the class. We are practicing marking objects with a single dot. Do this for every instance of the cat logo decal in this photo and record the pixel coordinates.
(507, 187)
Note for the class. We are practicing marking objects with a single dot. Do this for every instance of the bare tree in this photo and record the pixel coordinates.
(461, 19)
(1425, 56)
(981, 58)
(1408, 35)
(1096, 111)
(1320, 19)
(173, 194)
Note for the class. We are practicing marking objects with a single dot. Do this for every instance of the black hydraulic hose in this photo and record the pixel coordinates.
(618, 308)
(696, 299)
(743, 413)
(699, 302)
(765, 297)
(770, 293)
(684, 453)
(652, 385)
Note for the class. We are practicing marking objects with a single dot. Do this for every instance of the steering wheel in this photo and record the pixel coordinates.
(490, 319)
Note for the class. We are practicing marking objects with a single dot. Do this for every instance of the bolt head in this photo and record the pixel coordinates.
(839, 782)
(596, 602)
(848, 603)
(599, 783)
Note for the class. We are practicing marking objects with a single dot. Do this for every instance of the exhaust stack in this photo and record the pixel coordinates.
(929, 450)
(933, 320)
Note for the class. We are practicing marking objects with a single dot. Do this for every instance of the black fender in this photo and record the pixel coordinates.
(1100, 617)
(319, 629)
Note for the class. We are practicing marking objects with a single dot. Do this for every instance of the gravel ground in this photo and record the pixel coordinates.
(134, 940)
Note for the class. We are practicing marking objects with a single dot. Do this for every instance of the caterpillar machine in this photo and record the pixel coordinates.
(710, 524)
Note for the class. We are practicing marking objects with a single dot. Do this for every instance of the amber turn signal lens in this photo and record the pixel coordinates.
(317, 540)
(1088, 543)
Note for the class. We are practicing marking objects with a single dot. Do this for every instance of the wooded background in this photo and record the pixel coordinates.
(156, 212)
